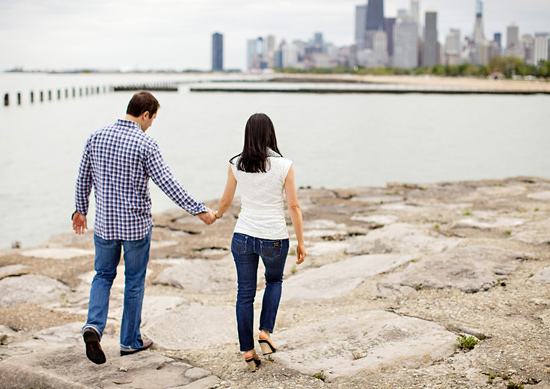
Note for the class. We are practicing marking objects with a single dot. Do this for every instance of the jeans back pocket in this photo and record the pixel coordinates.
(238, 244)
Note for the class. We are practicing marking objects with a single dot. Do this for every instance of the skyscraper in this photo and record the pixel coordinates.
(478, 26)
(217, 52)
(415, 13)
(360, 26)
(513, 48)
(497, 38)
(390, 23)
(542, 47)
(512, 36)
(452, 47)
(405, 44)
(452, 42)
(430, 52)
(527, 45)
(375, 15)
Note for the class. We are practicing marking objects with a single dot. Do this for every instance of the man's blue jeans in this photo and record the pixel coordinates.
(107, 257)
(246, 251)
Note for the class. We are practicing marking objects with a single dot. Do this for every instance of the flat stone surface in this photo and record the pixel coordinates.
(335, 279)
(153, 307)
(470, 269)
(400, 238)
(378, 340)
(69, 368)
(320, 249)
(62, 335)
(542, 276)
(376, 219)
(192, 327)
(535, 232)
(12, 270)
(543, 196)
(30, 289)
(487, 220)
(323, 227)
(57, 253)
(201, 276)
(499, 191)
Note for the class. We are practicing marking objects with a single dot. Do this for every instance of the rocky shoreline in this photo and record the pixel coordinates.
(399, 283)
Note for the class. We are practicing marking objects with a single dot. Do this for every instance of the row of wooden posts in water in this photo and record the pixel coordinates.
(48, 95)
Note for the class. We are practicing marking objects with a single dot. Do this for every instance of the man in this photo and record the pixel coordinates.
(118, 161)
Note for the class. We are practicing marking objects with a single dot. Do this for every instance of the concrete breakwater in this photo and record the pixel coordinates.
(399, 283)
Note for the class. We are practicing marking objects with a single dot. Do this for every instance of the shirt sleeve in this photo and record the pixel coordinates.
(162, 176)
(84, 182)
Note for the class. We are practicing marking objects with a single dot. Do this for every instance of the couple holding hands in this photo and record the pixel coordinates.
(118, 161)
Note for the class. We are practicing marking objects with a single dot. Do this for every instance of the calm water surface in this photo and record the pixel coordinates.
(334, 141)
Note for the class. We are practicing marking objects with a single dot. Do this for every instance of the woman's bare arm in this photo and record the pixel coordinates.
(296, 215)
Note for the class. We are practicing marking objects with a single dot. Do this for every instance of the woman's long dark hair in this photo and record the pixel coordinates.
(259, 137)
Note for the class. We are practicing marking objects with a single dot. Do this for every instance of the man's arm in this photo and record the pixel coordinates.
(162, 176)
(82, 192)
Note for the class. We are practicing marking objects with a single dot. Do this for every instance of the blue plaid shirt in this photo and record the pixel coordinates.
(118, 161)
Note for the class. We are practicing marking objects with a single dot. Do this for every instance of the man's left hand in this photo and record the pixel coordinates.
(80, 223)
(207, 217)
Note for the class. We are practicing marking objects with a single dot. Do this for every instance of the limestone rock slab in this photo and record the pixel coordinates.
(543, 196)
(57, 253)
(192, 327)
(488, 220)
(337, 278)
(69, 368)
(400, 238)
(376, 219)
(471, 269)
(153, 306)
(66, 334)
(324, 227)
(30, 288)
(12, 270)
(201, 276)
(535, 232)
(363, 343)
(542, 276)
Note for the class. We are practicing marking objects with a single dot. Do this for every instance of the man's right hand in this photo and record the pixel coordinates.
(80, 223)
(207, 217)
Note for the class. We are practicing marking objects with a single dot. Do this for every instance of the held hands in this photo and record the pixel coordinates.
(207, 217)
(80, 223)
(300, 253)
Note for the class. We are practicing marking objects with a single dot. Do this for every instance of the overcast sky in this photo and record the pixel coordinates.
(176, 34)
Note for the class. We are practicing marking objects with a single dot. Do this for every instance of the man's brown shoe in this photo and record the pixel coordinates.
(94, 352)
(146, 344)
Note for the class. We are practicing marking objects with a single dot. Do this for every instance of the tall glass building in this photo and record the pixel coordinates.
(217, 52)
(430, 52)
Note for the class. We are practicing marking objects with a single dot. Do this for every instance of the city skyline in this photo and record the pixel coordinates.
(61, 34)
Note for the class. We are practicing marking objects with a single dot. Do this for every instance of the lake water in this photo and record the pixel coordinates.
(340, 140)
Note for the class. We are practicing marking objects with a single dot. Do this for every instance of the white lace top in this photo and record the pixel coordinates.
(262, 199)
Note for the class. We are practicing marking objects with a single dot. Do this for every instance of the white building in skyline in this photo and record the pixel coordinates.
(541, 50)
(405, 44)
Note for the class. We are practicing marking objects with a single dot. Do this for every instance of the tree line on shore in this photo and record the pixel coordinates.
(509, 67)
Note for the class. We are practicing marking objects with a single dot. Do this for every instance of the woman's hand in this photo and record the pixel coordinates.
(300, 253)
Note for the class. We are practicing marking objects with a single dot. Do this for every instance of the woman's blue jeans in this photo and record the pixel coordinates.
(246, 251)
(107, 257)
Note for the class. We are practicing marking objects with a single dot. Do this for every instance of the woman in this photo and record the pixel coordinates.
(263, 176)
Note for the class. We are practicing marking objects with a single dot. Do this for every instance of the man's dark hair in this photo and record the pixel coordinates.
(259, 136)
(141, 102)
